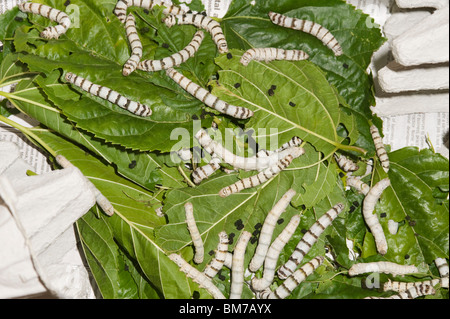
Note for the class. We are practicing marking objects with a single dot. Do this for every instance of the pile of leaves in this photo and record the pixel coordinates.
(131, 160)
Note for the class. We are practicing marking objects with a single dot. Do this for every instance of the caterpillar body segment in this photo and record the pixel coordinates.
(382, 267)
(310, 27)
(399, 286)
(203, 172)
(237, 267)
(228, 260)
(220, 256)
(175, 59)
(293, 142)
(308, 240)
(270, 261)
(207, 98)
(271, 54)
(136, 46)
(380, 149)
(358, 184)
(195, 234)
(122, 5)
(346, 164)
(109, 95)
(101, 200)
(411, 293)
(53, 14)
(294, 280)
(201, 22)
(268, 228)
(261, 177)
(442, 266)
(197, 276)
(371, 219)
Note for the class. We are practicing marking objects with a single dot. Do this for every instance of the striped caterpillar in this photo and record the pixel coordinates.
(195, 234)
(218, 261)
(175, 59)
(293, 142)
(101, 200)
(267, 230)
(382, 267)
(442, 266)
(411, 293)
(371, 219)
(237, 267)
(270, 261)
(206, 171)
(203, 22)
(379, 146)
(358, 184)
(207, 98)
(404, 286)
(293, 281)
(197, 276)
(310, 27)
(308, 240)
(53, 14)
(109, 95)
(136, 46)
(263, 176)
(238, 162)
(122, 5)
(346, 164)
(271, 54)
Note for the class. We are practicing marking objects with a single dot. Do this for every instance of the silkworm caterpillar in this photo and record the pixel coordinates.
(267, 229)
(442, 266)
(109, 95)
(371, 219)
(261, 177)
(271, 54)
(228, 260)
(136, 46)
(270, 261)
(310, 27)
(412, 293)
(203, 22)
(382, 267)
(293, 281)
(346, 164)
(197, 276)
(379, 146)
(217, 262)
(101, 200)
(308, 240)
(238, 162)
(403, 286)
(122, 5)
(392, 227)
(185, 154)
(207, 98)
(53, 14)
(357, 183)
(195, 234)
(237, 267)
(175, 59)
(203, 172)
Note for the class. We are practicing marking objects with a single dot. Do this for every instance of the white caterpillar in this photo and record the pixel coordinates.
(379, 146)
(267, 229)
(371, 219)
(382, 267)
(357, 183)
(403, 286)
(220, 256)
(203, 22)
(175, 59)
(197, 276)
(136, 46)
(271, 54)
(346, 164)
(261, 177)
(246, 163)
(293, 142)
(412, 293)
(308, 240)
(310, 27)
(109, 95)
(203, 172)
(270, 262)
(122, 5)
(101, 200)
(195, 234)
(207, 98)
(53, 14)
(237, 267)
(293, 281)
(442, 266)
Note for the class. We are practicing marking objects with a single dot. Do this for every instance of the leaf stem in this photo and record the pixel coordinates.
(190, 183)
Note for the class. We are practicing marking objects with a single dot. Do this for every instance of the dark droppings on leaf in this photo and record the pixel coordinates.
(273, 87)
(352, 209)
(345, 66)
(146, 11)
(355, 203)
(67, 3)
(303, 231)
(231, 238)
(258, 226)
(407, 217)
(132, 165)
(292, 104)
(165, 45)
(412, 223)
(196, 295)
(256, 232)
(229, 56)
(194, 117)
(280, 221)
(253, 240)
(211, 252)
(270, 92)
(237, 85)
(407, 256)
(238, 222)
(382, 215)
(20, 19)
(341, 175)
(145, 30)
(239, 227)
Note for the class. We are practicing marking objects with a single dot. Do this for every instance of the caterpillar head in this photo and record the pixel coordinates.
(272, 15)
(225, 192)
(245, 59)
(69, 76)
(170, 21)
(223, 48)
